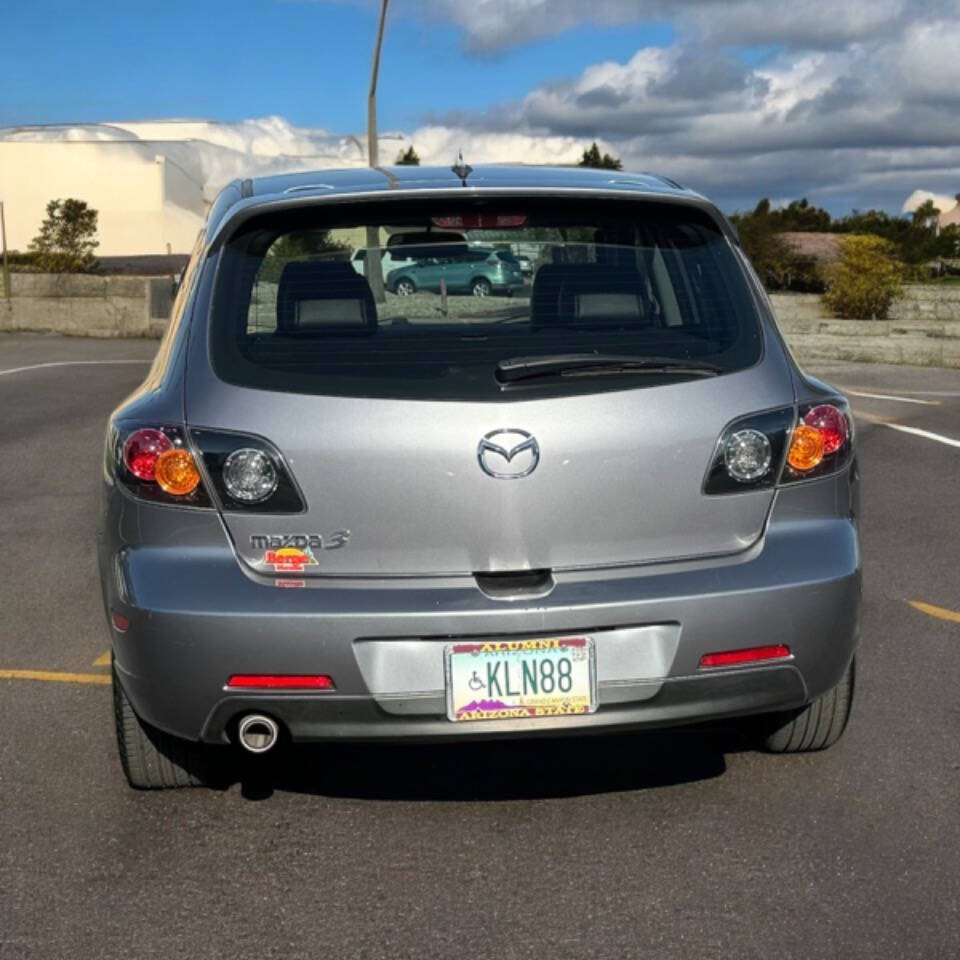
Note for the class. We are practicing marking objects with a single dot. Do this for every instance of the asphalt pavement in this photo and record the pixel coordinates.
(673, 844)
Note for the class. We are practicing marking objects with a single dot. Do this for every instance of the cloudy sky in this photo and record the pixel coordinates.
(852, 103)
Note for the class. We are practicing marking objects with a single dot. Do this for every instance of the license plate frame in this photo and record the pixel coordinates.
(582, 698)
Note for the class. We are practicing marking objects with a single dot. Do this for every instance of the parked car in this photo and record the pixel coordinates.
(389, 260)
(526, 264)
(620, 505)
(477, 270)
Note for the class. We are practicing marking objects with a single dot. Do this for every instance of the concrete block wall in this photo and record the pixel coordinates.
(923, 329)
(88, 306)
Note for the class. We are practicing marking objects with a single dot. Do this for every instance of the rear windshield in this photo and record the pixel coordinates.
(436, 305)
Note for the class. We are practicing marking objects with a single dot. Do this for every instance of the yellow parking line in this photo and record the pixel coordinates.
(51, 676)
(103, 660)
(939, 612)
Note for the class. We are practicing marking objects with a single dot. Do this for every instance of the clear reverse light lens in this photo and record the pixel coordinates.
(249, 475)
(747, 455)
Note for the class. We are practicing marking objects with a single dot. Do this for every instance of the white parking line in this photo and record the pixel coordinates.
(915, 431)
(936, 393)
(890, 396)
(69, 363)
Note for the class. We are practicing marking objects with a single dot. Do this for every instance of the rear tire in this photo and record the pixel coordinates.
(152, 759)
(481, 288)
(818, 725)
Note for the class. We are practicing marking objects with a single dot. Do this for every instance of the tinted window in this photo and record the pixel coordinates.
(631, 279)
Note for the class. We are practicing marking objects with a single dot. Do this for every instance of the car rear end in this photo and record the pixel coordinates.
(614, 504)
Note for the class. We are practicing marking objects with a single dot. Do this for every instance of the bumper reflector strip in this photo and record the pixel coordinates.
(279, 681)
(733, 658)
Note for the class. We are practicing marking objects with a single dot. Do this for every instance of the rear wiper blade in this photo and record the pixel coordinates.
(590, 364)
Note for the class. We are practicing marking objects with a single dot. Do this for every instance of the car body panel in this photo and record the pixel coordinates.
(197, 617)
(413, 524)
(633, 554)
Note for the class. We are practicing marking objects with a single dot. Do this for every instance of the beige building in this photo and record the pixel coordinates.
(150, 181)
(950, 217)
(147, 202)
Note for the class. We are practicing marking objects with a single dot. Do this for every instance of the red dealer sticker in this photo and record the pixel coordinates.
(290, 559)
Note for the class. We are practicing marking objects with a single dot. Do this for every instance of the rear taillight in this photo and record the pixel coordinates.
(155, 462)
(781, 446)
(821, 443)
(832, 423)
(247, 473)
(235, 472)
(750, 452)
(141, 451)
(177, 473)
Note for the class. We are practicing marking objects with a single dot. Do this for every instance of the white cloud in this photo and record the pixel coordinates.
(492, 25)
(919, 197)
(858, 107)
(215, 153)
(441, 145)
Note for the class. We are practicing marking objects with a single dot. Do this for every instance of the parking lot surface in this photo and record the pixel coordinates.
(673, 844)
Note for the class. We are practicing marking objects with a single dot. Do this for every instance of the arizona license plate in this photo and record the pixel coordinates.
(520, 679)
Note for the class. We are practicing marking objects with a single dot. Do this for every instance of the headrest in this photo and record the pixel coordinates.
(589, 293)
(324, 296)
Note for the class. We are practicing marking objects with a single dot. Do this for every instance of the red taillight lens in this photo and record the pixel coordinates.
(832, 424)
(142, 450)
(732, 658)
(279, 681)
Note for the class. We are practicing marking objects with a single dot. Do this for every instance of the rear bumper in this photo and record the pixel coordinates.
(672, 702)
(197, 617)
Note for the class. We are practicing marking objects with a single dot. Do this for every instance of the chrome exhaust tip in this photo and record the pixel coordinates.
(258, 733)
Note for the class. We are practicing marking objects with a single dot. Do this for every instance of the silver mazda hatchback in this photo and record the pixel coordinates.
(611, 501)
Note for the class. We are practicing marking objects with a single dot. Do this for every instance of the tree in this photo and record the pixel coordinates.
(865, 281)
(777, 265)
(67, 238)
(302, 245)
(593, 158)
(927, 214)
(408, 158)
(800, 217)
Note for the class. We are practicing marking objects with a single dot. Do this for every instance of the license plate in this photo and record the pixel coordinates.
(520, 679)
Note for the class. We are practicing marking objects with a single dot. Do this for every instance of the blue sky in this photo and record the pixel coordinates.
(851, 104)
(308, 62)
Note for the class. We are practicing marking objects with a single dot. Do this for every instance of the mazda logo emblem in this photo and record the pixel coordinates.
(508, 454)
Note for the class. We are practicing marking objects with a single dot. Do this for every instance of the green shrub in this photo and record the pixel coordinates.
(866, 279)
(67, 238)
(23, 262)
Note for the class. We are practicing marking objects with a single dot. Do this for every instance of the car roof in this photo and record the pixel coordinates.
(243, 198)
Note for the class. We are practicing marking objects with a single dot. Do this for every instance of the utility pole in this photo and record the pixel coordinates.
(374, 267)
(372, 145)
(6, 266)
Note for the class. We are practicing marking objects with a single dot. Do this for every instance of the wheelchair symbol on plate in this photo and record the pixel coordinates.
(475, 683)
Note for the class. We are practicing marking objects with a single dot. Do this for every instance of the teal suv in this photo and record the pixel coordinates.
(480, 271)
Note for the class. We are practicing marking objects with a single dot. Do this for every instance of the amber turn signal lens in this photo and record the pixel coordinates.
(806, 448)
(176, 473)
